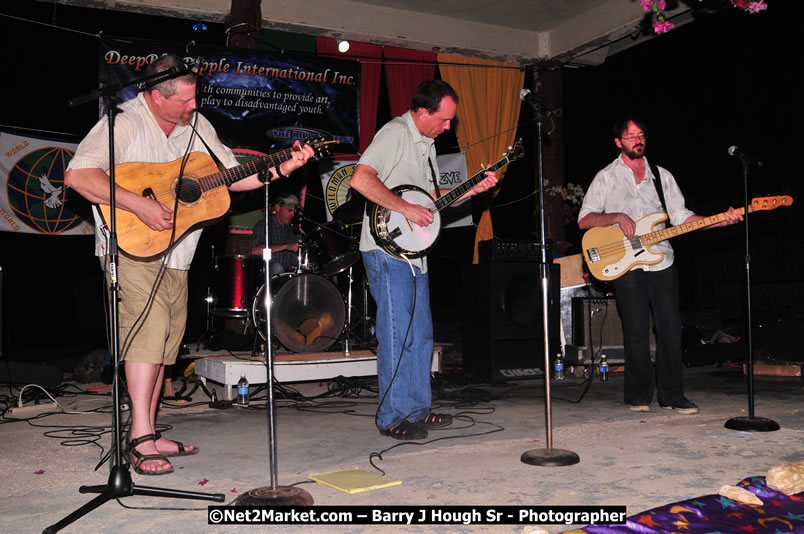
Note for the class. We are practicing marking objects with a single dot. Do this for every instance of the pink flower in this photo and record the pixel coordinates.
(647, 5)
(661, 4)
(756, 7)
(662, 27)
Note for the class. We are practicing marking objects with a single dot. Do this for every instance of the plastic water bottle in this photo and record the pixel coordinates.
(242, 391)
(604, 369)
(558, 367)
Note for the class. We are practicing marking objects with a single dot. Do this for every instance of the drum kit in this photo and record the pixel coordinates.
(322, 302)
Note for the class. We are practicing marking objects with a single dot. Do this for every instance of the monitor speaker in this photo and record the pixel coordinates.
(503, 329)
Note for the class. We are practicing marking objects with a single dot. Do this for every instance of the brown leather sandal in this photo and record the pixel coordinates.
(138, 458)
(181, 452)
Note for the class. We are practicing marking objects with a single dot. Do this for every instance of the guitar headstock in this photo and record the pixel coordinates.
(771, 203)
(321, 146)
(515, 152)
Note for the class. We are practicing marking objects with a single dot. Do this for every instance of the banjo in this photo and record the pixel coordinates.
(401, 238)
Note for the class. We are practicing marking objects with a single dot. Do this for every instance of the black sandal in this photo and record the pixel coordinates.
(138, 457)
(405, 431)
(181, 452)
(436, 420)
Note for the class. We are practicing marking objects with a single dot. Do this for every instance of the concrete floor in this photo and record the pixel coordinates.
(640, 460)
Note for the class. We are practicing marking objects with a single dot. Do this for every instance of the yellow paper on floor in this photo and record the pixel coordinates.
(354, 480)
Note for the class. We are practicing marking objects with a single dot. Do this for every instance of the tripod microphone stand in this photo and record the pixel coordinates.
(548, 456)
(119, 483)
(273, 495)
(750, 422)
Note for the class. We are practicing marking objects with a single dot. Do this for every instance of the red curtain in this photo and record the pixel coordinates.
(405, 69)
(369, 81)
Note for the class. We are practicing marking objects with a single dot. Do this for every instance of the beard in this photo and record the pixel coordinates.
(636, 152)
(185, 118)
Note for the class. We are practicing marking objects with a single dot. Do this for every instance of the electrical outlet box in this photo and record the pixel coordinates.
(33, 409)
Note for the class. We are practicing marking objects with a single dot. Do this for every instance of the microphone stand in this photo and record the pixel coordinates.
(548, 457)
(119, 483)
(273, 495)
(749, 423)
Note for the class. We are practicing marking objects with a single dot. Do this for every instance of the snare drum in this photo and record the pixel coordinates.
(307, 312)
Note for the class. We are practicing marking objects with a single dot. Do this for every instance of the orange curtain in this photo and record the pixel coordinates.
(488, 113)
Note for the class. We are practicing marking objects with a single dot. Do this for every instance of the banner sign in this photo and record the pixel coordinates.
(254, 98)
(32, 197)
(452, 173)
(335, 177)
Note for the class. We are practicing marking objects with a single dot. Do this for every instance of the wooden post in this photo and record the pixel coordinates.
(245, 21)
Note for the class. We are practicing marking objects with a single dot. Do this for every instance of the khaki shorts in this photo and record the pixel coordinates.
(157, 336)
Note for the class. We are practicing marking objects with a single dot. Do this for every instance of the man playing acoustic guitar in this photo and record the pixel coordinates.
(620, 194)
(159, 125)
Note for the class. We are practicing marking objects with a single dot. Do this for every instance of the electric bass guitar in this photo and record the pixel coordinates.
(609, 255)
(401, 238)
(202, 192)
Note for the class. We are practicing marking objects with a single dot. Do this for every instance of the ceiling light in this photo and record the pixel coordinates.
(343, 46)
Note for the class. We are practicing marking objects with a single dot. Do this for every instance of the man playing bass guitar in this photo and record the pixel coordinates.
(621, 193)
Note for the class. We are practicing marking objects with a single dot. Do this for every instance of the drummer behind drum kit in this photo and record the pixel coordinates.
(312, 307)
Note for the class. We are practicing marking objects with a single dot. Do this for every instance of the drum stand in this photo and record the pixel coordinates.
(347, 338)
(351, 339)
(210, 326)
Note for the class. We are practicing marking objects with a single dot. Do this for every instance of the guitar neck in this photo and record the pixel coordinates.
(458, 192)
(673, 231)
(227, 177)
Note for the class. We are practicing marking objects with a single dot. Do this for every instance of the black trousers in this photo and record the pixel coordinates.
(639, 294)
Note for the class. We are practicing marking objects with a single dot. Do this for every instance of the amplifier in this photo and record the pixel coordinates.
(512, 250)
(598, 316)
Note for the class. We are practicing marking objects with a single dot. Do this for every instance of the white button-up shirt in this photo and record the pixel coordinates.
(139, 138)
(614, 190)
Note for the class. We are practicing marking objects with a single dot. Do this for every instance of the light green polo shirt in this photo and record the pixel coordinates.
(399, 155)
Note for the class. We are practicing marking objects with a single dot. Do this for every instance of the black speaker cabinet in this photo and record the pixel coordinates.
(502, 329)
(602, 315)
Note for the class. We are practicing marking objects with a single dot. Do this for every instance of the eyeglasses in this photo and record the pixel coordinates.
(630, 138)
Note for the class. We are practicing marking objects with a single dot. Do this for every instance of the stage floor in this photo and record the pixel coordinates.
(640, 460)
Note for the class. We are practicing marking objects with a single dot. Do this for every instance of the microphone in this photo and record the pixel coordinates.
(529, 98)
(196, 66)
(746, 158)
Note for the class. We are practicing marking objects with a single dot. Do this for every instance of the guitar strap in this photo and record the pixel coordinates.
(433, 174)
(657, 182)
(217, 161)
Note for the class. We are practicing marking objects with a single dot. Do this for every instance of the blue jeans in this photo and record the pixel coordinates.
(403, 373)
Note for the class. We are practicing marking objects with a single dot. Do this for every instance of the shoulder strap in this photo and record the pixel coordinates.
(435, 178)
(214, 157)
(657, 183)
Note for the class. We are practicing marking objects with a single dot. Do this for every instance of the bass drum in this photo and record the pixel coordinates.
(307, 312)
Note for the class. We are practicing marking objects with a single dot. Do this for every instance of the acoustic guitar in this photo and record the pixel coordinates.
(202, 192)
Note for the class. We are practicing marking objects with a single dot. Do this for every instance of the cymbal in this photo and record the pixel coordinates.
(350, 211)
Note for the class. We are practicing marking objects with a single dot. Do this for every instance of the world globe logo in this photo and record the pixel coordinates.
(35, 190)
